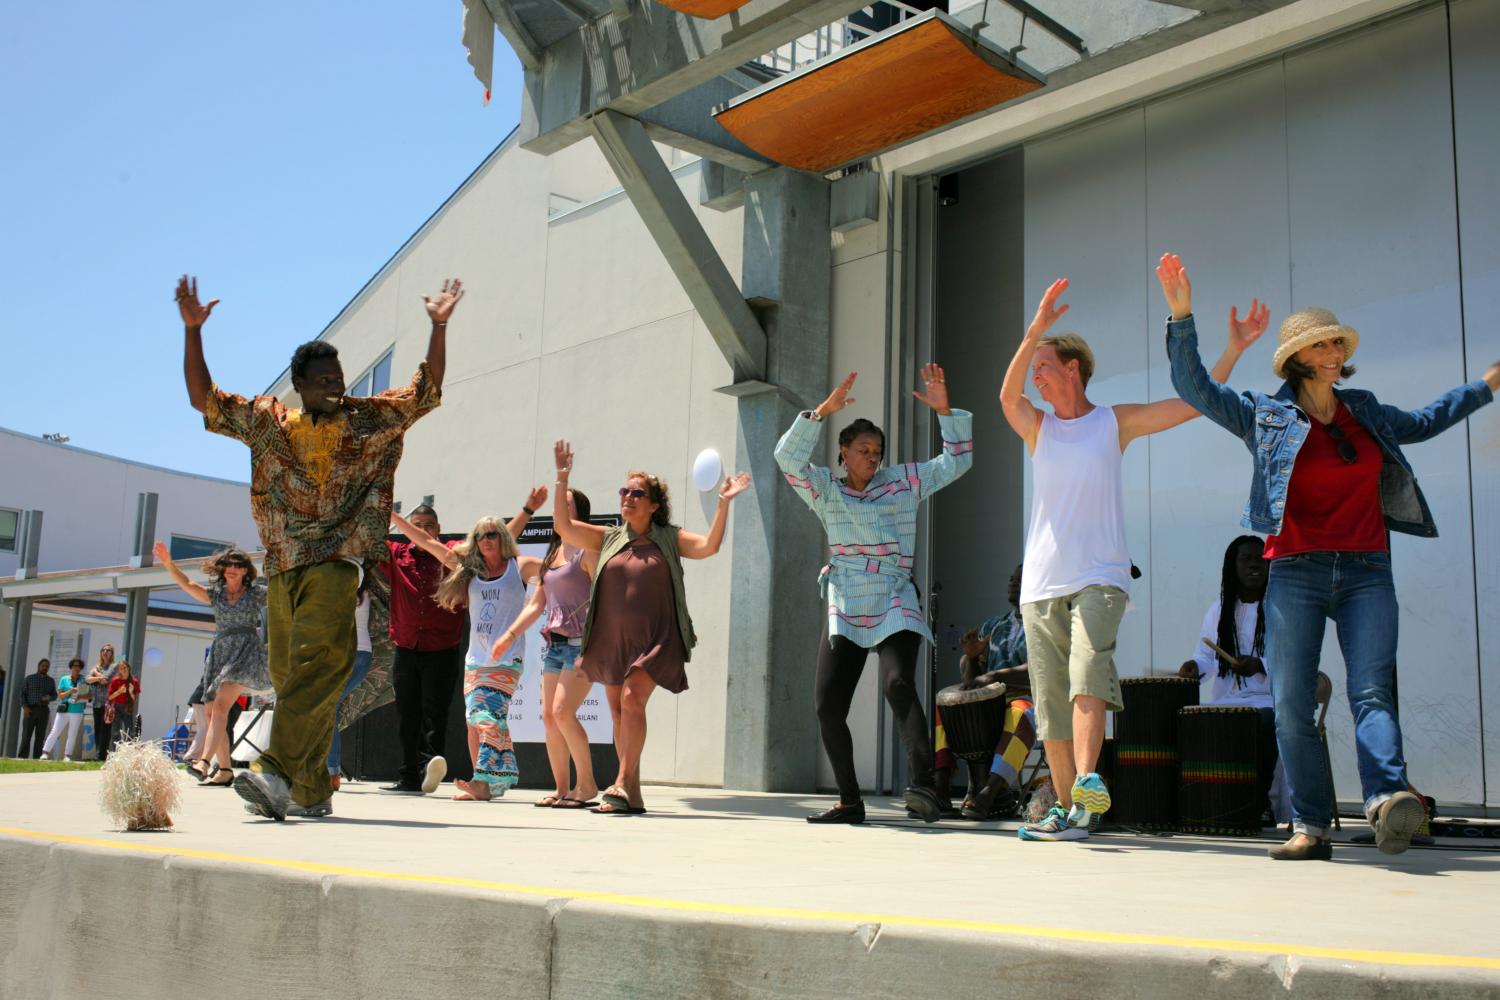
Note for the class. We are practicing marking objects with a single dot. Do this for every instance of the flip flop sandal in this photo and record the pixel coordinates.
(610, 809)
(549, 801)
(615, 798)
(211, 783)
(566, 802)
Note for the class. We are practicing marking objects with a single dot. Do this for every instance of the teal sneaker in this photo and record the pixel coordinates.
(1054, 826)
(1090, 799)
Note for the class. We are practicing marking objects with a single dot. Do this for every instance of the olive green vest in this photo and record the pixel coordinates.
(615, 541)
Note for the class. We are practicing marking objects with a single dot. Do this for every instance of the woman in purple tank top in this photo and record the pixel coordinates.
(562, 594)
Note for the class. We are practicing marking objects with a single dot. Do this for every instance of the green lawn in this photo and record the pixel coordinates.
(9, 765)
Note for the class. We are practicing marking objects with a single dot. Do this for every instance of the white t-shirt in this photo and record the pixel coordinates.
(493, 605)
(1076, 538)
(362, 624)
(1232, 689)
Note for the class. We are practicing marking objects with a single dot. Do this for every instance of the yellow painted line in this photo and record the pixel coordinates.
(1363, 955)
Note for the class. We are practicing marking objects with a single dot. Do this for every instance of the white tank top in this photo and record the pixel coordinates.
(1077, 533)
(493, 605)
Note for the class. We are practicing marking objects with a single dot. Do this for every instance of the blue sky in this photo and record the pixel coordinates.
(280, 151)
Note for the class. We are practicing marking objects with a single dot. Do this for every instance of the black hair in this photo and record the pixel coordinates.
(421, 508)
(1229, 599)
(1295, 371)
(215, 565)
(854, 430)
(308, 353)
(584, 508)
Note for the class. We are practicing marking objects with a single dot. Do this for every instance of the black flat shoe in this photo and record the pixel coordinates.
(924, 802)
(840, 814)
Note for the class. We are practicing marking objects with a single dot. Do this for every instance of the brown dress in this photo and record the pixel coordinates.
(635, 621)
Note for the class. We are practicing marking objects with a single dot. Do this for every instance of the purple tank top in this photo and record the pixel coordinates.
(567, 598)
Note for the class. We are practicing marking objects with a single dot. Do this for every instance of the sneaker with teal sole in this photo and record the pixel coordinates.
(1090, 799)
(1054, 826)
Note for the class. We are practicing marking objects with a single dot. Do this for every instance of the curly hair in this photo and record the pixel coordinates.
(657, 493)
(453, 592)
(309, 352)
(215, 564)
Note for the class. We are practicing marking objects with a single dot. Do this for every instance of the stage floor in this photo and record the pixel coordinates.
(706, 858)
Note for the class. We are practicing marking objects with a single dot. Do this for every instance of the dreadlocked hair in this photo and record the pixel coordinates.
(453, 592)
(1229, 599)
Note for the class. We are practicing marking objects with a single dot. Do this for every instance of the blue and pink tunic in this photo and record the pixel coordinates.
(872, 533)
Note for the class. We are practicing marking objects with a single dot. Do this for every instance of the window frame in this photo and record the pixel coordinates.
(15, 538)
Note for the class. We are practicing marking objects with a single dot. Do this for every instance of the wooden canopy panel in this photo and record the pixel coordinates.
(706, 9)
(899, 85)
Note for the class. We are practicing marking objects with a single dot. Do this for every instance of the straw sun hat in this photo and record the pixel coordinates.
(1306, 327)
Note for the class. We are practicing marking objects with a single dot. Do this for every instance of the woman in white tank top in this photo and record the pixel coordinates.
(487, 575)
(1077, 566)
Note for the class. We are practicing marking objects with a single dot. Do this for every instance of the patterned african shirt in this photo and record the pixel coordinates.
(872, 533)
(322, 490)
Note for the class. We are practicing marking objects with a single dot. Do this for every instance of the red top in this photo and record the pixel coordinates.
(1332, 505)
(118, 694)
(417, 622)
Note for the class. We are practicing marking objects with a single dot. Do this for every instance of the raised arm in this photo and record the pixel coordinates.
(1412, 426)
(957, 428)
(439, 309)
(579, 534)
(1197, 387)
(1024, 418)
(794, 450)
(432, 546)
(695, 546)
(534, 501)
(194, 315)
(196, 591)
(535, 605)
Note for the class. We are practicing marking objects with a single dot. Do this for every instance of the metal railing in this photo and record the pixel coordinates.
(835, 37)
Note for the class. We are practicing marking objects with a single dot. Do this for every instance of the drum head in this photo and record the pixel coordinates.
(956, 695)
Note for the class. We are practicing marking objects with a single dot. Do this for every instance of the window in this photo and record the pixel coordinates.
(375, 380)
(10, 525)
(188, 547)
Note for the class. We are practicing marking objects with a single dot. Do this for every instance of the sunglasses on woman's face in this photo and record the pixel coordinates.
(489, 536)
(1345, 446)
(635, 493)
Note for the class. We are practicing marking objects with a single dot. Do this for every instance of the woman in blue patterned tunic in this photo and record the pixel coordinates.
(870, 516)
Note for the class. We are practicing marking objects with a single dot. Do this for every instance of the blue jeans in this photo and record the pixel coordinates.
(361, 667)
(559, 655)
(1355, 590)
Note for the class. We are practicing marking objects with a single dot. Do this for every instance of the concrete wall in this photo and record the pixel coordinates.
(571, 327)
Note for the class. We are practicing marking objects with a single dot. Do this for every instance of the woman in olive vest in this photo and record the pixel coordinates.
(638, 635)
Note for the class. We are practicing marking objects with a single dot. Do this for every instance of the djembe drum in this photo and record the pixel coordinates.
(1145, 789)
(1220, 787)
(973, 721)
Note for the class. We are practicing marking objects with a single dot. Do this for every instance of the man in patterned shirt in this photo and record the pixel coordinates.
(320, 493)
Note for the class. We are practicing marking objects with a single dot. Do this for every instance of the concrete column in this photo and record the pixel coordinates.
(29, 541)
(771, 733)
(137, 600)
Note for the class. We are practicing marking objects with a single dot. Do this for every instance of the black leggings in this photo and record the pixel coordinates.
(839, 665)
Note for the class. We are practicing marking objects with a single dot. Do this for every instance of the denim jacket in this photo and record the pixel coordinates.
(1274, 428)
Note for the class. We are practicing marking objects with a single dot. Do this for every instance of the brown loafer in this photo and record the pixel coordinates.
(1303, 848)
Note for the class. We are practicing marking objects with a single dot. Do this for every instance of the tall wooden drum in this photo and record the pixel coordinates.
(1145, 789)
(1220, 787)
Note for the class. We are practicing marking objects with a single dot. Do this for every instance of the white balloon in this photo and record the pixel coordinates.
(707, 470)
(153, 657)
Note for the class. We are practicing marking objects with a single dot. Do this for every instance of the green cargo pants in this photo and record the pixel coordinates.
(311, 640)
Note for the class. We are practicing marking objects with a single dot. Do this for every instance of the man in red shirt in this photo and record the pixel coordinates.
(429, 648)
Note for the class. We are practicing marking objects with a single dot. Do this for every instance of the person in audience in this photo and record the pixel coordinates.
(67, 725)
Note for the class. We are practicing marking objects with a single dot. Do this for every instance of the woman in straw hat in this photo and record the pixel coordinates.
(1330, 483)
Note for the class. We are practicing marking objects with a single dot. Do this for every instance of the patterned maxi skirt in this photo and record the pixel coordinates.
(487, 694)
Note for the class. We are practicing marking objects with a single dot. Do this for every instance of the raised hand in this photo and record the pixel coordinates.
(1048, 311)
(562, 456)
(1175, 286)
(536, 497)
(734, 485)
(936, 395)
(1492, 376)
(1244, 332)
(162, 553)
(839, 397)
(194, 314)
(441, 307)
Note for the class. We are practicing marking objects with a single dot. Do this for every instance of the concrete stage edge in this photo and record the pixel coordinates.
(359, 906)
